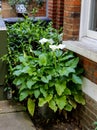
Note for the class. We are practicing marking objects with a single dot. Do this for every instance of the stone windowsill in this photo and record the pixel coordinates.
(86, 48)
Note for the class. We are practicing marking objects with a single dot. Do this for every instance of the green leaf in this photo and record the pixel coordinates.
(42, 101)
(58, 53)
(61, 102)
(72, 63)
(43, 59)
(28, 70)
(67, 91)
(79, 98)
(46, 79)
(66, 71)
(43, 91)
(17, 81)
(31, 106)
(23, 95)
(66, 57)
(36, 93)
(17, 72)
(73, 103)
(30, 83)
(68, 107)
(76, 79)
(52, 105)
(60, 87)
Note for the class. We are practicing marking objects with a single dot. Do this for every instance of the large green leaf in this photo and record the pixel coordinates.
(42, 101)
(23, 95)
(60, 87)
(31, 106)
(68, 107)
(66, 71)
(28, 70)
(30, 83)
(61, 102)
(18, 81)
(36, 93)
(76, 79)
(80, 99)
(17, 72)
(72, 63)
(52, 105)
(43, 91)
(66, 57)
(46, 79)
(67, 91)
(43, 59)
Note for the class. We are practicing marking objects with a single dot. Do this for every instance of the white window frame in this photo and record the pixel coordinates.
(84, 23)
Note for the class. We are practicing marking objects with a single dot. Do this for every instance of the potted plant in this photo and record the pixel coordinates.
(20, 5)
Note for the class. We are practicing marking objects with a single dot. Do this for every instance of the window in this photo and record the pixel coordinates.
(89, 19)
(92, 20)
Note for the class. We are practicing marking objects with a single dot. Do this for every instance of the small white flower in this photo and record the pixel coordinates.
(53, 47)
(61, 46)
(51, 41)
(43, 40)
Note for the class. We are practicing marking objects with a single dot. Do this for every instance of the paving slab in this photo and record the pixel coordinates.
(7, 106)
(14, 119)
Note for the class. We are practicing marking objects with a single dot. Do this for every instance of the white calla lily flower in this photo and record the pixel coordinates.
(43, 40)
(61, 46)
(53, 47)
(51, 41)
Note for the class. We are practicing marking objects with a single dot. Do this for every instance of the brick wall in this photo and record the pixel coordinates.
(71, 19)
(86, 115)
(55, 11)
(8, 11)
(90, 68)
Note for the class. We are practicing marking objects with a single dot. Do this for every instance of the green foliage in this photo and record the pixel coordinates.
(95, 124)
(14, 2)
(42, 72)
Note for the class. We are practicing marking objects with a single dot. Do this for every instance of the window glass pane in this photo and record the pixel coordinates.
(93, 16)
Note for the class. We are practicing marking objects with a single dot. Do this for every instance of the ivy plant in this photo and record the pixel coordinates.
(42, 72)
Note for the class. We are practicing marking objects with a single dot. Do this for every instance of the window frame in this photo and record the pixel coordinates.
(85, 19)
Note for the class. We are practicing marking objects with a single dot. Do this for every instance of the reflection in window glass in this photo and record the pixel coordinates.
(93, 16)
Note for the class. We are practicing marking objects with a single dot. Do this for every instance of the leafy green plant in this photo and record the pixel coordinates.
(14, 2)
(95, 124)
(42, 72)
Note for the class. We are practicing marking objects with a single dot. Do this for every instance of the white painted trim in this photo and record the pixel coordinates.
(84, 21)
(89, 88)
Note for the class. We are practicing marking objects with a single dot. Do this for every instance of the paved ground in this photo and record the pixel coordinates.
(12, 117)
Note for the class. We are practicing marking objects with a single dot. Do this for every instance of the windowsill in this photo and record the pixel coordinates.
(86, 47)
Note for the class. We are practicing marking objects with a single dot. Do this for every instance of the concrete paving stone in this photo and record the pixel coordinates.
(7, 106)
(16, 121)
(13, 117)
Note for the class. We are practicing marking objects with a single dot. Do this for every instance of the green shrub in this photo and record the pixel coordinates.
(41, 70)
